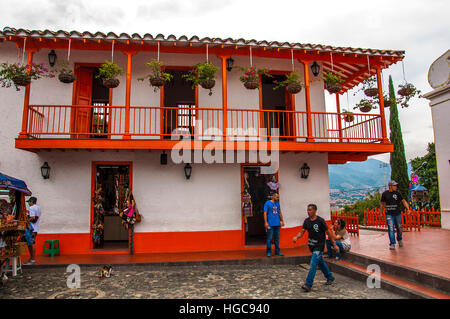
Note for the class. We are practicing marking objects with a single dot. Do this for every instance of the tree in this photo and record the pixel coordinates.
(428, 174)
(371, 201)
(399, 168)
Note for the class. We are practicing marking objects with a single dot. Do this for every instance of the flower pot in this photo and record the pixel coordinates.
(21, 80)
(251, 85)
(66, 77)
(405, 91)
(333, 87)
(348, 117)
(208, 83)
(111, 83)
(387, 103)
(371, 92)
(293, 88)
(365, 108)
(157, 82)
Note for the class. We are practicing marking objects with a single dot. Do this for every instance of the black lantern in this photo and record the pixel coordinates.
(187, 170)
(45, 171)
(315, 68)
(230, 63)
(163, 158)
(304, 171)
(52, 58)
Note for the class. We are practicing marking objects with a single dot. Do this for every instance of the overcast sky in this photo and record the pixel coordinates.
(421, 28)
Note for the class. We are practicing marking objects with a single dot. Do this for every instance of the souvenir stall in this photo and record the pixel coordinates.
(13, 222)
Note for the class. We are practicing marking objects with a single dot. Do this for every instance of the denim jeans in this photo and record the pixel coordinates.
(330, 250)
(273, 231)
(317, 260)
(394, 221)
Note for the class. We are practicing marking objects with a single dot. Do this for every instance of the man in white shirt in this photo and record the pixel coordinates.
(34, 214)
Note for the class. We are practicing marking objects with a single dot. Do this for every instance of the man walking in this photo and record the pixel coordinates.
(273, 220)
(391, 200)
(34, 214)
(316, 227)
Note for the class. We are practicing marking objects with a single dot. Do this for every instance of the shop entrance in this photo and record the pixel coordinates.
(258, 187)
(112, 187)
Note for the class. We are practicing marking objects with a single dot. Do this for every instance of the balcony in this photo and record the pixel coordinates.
(146, 127)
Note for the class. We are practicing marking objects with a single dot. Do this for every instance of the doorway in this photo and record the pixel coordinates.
(112, 185)
(258, 187)
(179, 113)
(92, 121)
(276, 101)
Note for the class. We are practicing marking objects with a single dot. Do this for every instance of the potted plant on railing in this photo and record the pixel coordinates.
(406, 92)
(292, 83)
(157, 76)
(251, 76)
(203, 74)
(348, 116)
(21, 75)
(369, 87)
(333, 81)
(108, 72)
(365, 105)
(66, 74)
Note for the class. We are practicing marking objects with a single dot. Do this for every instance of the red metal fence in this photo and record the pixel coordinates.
(351, 221)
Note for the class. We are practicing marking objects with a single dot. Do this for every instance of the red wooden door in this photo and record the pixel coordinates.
(290, 127)
(81, 117)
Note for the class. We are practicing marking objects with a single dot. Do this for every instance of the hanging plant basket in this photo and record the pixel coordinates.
(348, 117)
(111, 83)
(208, 83)
(157, 82)
(21, 80)
(333, 87)
(251, 85)
(293, 88)
(407, 90)
(371, 92)
(365, 109)
(66, 77)
(387, 103)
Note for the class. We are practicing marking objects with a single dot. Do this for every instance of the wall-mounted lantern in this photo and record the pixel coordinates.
(230, 63)
(163, 158)
(52, 58)
(304, 171)
(315, 68)
(45, 171)
(187, 170)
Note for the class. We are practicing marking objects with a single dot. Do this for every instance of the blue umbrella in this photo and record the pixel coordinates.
(8, 182)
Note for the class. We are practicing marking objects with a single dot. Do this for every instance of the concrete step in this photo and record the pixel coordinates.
(417, 276)
(388, 282)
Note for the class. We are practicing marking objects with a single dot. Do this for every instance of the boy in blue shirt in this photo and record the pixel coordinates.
(273, 220)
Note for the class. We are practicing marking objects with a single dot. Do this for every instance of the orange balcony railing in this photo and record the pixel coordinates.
(147, 122)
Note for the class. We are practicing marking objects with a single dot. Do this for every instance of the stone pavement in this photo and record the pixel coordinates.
(211, 281)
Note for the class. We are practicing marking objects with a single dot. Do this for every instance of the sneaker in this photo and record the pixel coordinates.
(30, 262)
(329, 281)
(279, 254)
(338, 258)
(392, 247)
(400, 244)
(269, 254)
(306, 288)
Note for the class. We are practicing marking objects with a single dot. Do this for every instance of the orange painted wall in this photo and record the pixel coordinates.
(73, 244)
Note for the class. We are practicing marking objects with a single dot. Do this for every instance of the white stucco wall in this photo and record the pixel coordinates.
(168, 202)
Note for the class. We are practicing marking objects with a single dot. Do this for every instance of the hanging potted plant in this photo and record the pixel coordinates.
(365, 105)
(251, 76)
(348, 116)
(203, 74)
(386, 100)
(406, 92)
(65, 75)
(157, 76)
(21, 75)
(108, 72)
(333, 81)
(292, 83)
(369, 87)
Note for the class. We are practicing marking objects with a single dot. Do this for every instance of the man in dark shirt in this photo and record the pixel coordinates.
(316, 228)
(391, 200)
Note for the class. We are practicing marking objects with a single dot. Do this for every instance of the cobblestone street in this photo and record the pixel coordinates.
(218, 281)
